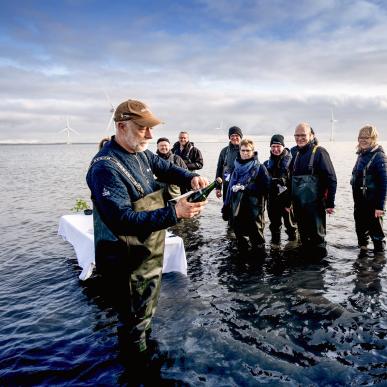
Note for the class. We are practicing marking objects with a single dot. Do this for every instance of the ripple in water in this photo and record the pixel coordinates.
(234, 321)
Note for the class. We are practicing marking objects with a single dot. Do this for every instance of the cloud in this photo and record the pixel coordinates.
(263, 66)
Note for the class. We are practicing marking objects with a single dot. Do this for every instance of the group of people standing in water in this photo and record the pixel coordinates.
(131, 215)
(299, 187)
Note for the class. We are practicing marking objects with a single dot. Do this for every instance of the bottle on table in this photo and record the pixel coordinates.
(202, 194)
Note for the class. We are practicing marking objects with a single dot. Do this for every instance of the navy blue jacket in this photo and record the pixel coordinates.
(378, 171)
(113, 193)
(323, 168)
(278, 168)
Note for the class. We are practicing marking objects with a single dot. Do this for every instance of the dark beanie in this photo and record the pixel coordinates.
(235, 130)
(162, 139)
(277, 139)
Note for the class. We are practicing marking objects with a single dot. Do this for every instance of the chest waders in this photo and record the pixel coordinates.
(366, 193)
(365, 197)
(132, 266)
(307, 200)
(247, 214)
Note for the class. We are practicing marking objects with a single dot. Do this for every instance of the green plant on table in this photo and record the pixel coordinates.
(80, 205)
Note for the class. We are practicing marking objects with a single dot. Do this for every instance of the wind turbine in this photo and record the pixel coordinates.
(332, 125)
(68, 129)
(112, 111)
(220, 126)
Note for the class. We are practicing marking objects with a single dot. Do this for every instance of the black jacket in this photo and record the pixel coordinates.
(226, 160)
(378, 172)
(113, 193)
(323, 168)
(190, 154)
(174, 159)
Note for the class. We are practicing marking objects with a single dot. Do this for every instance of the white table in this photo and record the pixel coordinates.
(78, 230)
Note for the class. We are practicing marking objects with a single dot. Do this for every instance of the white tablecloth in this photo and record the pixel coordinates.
(78, 230)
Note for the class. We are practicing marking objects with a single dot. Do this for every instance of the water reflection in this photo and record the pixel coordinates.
(368, 286)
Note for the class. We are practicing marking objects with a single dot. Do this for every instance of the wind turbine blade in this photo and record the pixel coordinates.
(110, 122)
(109, 102)
(72, 130)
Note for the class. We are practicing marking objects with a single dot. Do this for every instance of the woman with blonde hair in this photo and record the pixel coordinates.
(369, 188)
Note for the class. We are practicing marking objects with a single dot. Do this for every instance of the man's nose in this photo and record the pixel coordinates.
(148, 133)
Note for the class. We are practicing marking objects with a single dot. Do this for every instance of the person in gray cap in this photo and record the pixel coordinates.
(278, 168)
(130, 218)
(227, 158)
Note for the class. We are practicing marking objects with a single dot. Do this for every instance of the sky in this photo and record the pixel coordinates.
(201, 66)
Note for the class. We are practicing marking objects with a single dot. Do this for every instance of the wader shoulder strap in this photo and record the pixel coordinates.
(122, 169)
(311, 160)
(226, 156)
(295, 162)
(365, 172)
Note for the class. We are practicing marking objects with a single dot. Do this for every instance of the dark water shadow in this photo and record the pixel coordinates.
(135, 369)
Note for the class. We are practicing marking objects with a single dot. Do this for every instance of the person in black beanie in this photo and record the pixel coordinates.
(278, 168)
(227, 158)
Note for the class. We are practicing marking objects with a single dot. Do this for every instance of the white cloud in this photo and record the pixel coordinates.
(263, 66)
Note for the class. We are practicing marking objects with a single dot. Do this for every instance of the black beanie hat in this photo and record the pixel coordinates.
(235, 130)
(162, 139)
(277, 139)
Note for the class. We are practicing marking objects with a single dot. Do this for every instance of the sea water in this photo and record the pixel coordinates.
(233, 321)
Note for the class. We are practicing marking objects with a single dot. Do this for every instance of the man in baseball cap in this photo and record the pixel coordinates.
(136, 111)
(130, 218)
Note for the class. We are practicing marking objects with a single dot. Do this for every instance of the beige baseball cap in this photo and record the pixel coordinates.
(136, 111)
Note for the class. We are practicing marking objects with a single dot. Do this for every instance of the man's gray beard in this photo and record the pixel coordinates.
(142, 147)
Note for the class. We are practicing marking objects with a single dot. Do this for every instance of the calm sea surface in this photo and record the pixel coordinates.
(234, 321)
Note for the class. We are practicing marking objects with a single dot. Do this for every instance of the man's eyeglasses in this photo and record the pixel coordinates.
(300, 135)
(246, 150)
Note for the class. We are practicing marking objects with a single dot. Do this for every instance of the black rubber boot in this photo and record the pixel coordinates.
(379, 246)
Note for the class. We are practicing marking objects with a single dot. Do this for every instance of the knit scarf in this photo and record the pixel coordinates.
(243, 171)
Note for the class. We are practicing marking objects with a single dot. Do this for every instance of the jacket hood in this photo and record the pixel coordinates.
(284, 153)
(177, 144)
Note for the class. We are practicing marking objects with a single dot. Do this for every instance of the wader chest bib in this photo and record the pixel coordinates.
(308, 205)
(367, 191)
(139, 262)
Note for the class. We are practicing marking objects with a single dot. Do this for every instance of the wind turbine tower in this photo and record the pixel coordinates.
(220, 126)
(68, 129)
(112, 111)
(332, 125)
